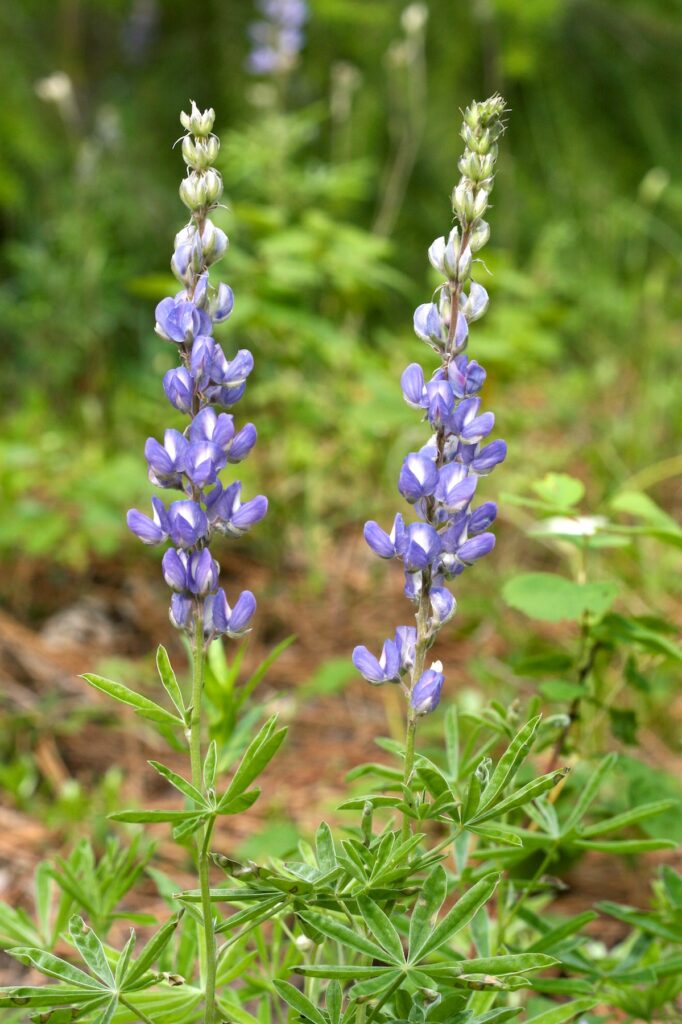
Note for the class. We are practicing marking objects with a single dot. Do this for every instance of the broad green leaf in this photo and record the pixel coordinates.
(558, 689)
(523, 796)
(510, 762)
(91, 949)
(151, 952)
(299, 1002)
(143, 706)
(629, 817)
(54, 967)
(563, 1013)
(169, 681)
(333, 929)
(431, 899)
(551, 598)
(589, 791)
(210, 765)
(260, 751)
(559, 489)
(457, 917)
(182, 785)
(380, 927)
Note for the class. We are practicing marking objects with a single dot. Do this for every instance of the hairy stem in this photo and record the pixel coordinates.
(204, 837)
(421, 647)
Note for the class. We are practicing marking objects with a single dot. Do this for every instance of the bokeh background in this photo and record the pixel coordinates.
(337, 178)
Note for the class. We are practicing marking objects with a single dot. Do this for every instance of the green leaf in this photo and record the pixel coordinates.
(565, 1012)
(324, 847)
(254, 679)
(431, 899)
(498, 966)
(560, 490)
(628, 818)
(554, 936)
(91, 949)
(589, 791)
(635, 503)
(333, 1001)
(169, 681)
(551, 598)
(557, 689)
(143, 706)
(495, 835)
(182, 785)
(451, 727)
(343, 972)
(108, 1014)
(54, 967)
(300, 1003)
(379, 925)
(510, 762)
(49, 995)
(524, 795)
(124, 959)
(646, 921)
(333, 929)
(140, 817)
(623, 722)
(210, 765)
(376, 987)
(151, 952)
(457, 917)
(259, 753)
(625, 846)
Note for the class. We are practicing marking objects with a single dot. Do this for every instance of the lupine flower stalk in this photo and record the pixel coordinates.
(191, 461)
(440, 480)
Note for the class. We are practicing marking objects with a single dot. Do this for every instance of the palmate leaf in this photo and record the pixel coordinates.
(522, 796)
(497, 966)
(429, 903)
(135, 976)
(54, 967)
(169, 680)
(589, 791)
(563, 1013)
(379, 925)
(49, 995)
(182, 785)
(627, 818)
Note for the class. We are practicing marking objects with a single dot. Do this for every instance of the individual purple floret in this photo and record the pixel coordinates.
(441, 479)
(192, 460)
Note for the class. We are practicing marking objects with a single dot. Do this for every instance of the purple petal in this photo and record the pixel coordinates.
(242, 614)
(379, 540)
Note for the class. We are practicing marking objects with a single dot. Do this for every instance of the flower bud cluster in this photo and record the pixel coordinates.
(277, 37)
(191, 461)
(440, 480)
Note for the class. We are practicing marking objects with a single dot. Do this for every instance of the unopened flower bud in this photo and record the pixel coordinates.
(479, 236)
(213, 184)
(199, 122)
(214, 242)
(483, 771)
(200, 153)
(193, 191)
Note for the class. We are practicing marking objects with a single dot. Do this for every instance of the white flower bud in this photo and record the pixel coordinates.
(480, 204)
(463, 202)
(213, 184)
(414, 18)
(479, 235)
(199, 122)
(200, 153)
(464, 264)
(193, 191)
(214, 242)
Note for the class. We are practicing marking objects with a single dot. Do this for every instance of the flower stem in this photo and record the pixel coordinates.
(204, 837)
(421, 647)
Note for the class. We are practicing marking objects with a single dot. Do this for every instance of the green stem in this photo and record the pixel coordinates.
(421, 647)
(203, 838)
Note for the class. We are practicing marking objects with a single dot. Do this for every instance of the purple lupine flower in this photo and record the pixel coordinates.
(441, 479)
(384, 669)
(192, 460)
(418, 477)
(425, 696)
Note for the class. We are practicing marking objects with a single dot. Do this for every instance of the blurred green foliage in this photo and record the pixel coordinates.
(336, 183)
